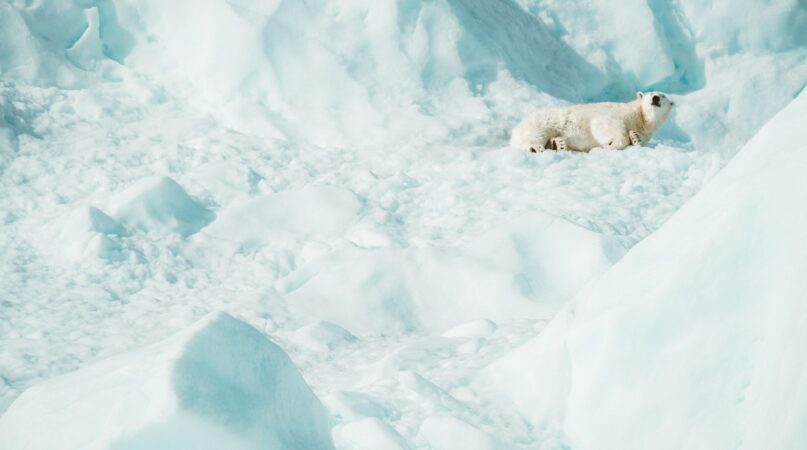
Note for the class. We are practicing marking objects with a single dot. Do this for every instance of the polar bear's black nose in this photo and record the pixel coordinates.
(656, 100)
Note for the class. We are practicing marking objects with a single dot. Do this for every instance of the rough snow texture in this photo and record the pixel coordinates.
(695, 339)
(219, 384)
(336, 174)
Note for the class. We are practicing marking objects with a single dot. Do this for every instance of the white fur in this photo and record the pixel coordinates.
(583, 127)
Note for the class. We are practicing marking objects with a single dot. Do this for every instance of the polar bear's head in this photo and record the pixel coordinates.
(655, 106)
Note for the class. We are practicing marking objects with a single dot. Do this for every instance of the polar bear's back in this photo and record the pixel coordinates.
(572, 122)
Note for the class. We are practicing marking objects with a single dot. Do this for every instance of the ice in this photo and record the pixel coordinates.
(86, 232)
(476, 328)
(219, 384)
(694, 339)
(529, 267)
(336, 174)
(445, 432)
(369, 434)
(158, 205)
(346, 405)
(319, 213)
(322, 336)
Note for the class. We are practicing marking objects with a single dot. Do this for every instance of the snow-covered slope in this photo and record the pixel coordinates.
(335, 174)
(219, 384)
(696, 338)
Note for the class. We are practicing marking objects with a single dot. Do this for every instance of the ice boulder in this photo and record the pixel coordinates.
(697, 337)
(220, 384)
(159, 204)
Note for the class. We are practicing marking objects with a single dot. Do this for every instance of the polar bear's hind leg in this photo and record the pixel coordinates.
(558, 143)
(539, 142)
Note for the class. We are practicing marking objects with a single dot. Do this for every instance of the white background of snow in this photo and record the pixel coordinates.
(701, 327)
(384, 124)
(219, 384)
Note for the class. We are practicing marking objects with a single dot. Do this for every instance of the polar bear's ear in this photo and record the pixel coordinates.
(639, 95)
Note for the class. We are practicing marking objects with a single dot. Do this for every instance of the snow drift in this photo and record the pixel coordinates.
(696, 338)
(527, 268)
(334, 172)
(383, 72)
(220, 384)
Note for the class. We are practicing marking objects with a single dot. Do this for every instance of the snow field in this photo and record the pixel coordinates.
(219, 384)
(700, 327)
(335, 176)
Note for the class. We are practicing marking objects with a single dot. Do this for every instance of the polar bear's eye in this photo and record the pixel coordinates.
(656, 99)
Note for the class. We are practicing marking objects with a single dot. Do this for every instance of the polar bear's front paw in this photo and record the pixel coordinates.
(635, 139)
(536, 148)
(559, 143)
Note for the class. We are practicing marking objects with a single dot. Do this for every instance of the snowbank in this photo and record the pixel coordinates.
(319, 213)
(85, 232)
(369, 434)
(445, 432)
(220, 384)
(159, 204)
(696, 338)
(381, 73)
(527, 268)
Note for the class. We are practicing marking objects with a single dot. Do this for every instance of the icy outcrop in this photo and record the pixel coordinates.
(159, 204)
(696, 338)
(220, 384)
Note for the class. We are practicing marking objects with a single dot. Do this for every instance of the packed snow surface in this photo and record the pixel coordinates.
(335, 176)
(220, 384)
(696, 338)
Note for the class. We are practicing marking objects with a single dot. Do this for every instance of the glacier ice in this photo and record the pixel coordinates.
(695, 338)
(336, 174)
(219, 384)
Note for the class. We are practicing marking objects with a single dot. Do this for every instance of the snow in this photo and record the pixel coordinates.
(697, 333)
(218, 384)
(336, 175)
(445, 432)
(369, 433)
(159, 205)
(529, 267)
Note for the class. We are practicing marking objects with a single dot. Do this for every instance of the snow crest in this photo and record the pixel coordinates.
(219, 384)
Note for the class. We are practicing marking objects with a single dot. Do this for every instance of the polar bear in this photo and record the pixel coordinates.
(583, 127)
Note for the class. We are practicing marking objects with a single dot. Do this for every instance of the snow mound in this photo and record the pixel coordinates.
(87, 231)
(446, 432)
(351, 406)
(159, 204)
(390, 65)
(696, 338)
(322, 336)
(312, 213)
(477, 328)
(369, 434)
(527, 268)
(220, 384)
